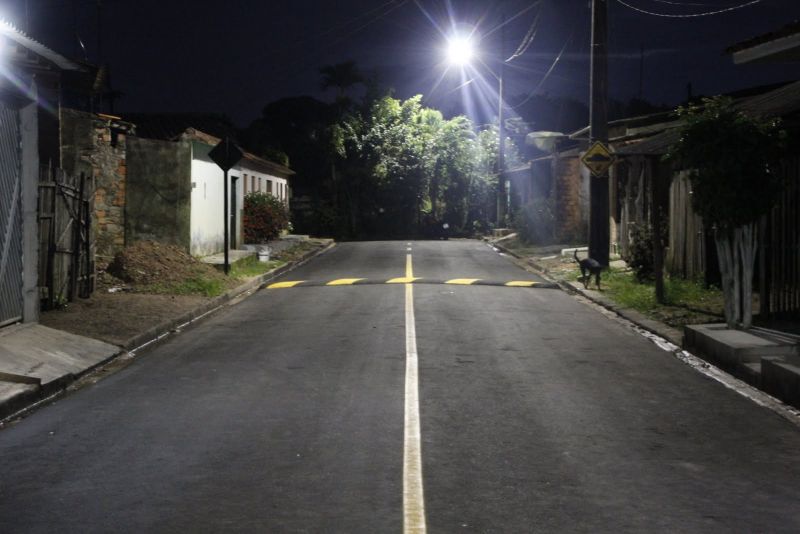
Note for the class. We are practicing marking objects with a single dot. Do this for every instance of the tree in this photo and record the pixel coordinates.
(732, 158)
(341, 76)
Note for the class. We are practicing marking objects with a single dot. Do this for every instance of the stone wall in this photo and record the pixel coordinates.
(97, 146)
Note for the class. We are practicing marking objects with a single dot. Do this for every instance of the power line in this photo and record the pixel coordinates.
(686, 16)
(527, 40)
(549, 71)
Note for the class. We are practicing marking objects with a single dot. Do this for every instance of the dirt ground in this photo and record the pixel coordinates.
(133, 292)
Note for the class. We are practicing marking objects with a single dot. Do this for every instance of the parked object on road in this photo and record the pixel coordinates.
(589, 267)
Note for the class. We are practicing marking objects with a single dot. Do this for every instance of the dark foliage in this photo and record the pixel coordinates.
(264, 218)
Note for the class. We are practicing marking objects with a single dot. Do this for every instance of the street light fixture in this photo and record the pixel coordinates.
(460, 52)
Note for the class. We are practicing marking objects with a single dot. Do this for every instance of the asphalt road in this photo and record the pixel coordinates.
(288, 413)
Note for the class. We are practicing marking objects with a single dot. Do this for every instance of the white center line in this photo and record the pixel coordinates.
(413, 499)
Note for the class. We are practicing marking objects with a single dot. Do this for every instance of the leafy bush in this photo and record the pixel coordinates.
(264, 217)
(535, 222)
(640, 252)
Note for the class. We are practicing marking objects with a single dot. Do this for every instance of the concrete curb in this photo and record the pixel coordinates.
(672, 335)
(26, 401)
(159, 331)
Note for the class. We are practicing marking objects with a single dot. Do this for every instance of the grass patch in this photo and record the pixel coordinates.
(251, 267)
(687, 301)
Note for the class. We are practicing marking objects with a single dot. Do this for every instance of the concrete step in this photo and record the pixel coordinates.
(781, 379)
(730, 348)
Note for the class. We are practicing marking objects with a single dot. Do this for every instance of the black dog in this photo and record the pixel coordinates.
(589, 267)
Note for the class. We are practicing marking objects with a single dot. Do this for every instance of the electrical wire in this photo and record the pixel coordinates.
(686, 16)
(514, 17)
(527, 40)
(549, 71)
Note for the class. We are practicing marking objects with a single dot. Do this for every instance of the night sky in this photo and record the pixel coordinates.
(234, 56)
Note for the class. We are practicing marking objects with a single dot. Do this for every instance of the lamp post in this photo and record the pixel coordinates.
(460, 53)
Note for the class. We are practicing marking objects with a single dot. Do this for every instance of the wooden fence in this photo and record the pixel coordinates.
(779, 259)
(66, 247)
(686, 256)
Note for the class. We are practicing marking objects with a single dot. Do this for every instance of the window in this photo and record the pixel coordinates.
(244, 183)
(269, 186)
(252, 183)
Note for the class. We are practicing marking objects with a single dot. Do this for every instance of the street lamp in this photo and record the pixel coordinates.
(460, 52)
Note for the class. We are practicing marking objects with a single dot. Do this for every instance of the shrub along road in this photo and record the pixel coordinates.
(298, 411)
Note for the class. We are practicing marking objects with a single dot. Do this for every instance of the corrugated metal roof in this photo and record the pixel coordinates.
(9, 31)
(788, 30)
(777, 103)
(652, 146)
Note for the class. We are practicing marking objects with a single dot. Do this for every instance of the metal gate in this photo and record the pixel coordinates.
(10, 217)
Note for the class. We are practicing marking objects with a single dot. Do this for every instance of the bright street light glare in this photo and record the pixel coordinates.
(459, 50)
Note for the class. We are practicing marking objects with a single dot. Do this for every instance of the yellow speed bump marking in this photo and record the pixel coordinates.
(402, 280)
(343, 282)
(520, 283)
(462, 281)
(281, 285)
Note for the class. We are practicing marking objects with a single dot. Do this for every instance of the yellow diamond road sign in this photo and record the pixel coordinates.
(598, 158)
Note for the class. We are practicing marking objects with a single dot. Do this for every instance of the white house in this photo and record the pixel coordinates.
(175, 191)
(251, 174)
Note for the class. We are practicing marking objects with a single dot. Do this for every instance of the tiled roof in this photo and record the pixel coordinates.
(171, 125)
(259, 163)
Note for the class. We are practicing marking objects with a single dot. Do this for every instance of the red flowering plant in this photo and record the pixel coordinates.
(264, 218)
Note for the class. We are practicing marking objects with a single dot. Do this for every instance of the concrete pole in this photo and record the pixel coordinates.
(599, 233)
(501, 149)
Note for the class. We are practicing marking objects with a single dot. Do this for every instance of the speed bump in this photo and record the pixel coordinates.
(412, 280)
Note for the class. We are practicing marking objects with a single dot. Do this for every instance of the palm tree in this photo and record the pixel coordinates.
(342, 76)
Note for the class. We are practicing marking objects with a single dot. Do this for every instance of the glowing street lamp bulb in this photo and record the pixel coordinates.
(459, 51)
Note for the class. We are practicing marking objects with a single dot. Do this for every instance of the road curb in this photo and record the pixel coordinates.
(170, 325)
(672, 335)
(27, 401)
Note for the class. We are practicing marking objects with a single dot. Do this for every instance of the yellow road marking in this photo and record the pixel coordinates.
(343, 282)
(281, 285)
(520, 283)
(402, 280)
(413, 497)
(462, 281)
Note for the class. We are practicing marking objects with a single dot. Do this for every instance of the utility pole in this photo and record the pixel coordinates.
(599, 234)
(501, 150)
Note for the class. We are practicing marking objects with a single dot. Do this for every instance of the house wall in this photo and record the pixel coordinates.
(159, 191)
(571, 196)
(207, 223)
(90, 147)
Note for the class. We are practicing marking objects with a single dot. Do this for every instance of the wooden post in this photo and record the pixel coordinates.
(658, 176)
(75, 265)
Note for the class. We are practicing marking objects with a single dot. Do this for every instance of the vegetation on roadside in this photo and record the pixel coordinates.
(156, 268)
(265, 217)
(687, 301)
(733, 160)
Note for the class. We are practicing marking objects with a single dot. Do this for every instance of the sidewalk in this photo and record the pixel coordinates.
(37, 362)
